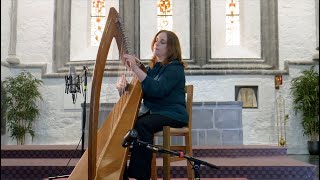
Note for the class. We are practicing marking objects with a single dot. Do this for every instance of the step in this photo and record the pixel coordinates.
(247, 161)
(40, 151)
(238, 151)
(68, 151)
(176, 179)
(206, 179)
(276, 167)
(35, 168)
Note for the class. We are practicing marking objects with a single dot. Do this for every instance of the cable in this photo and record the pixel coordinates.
(68, 161)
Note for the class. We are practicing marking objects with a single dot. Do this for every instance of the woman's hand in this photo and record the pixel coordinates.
(131, 62)
(122, 84)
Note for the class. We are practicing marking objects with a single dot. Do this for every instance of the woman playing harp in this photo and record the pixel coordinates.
(163, 87)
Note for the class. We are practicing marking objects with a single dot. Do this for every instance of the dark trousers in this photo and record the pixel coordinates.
(141, 157)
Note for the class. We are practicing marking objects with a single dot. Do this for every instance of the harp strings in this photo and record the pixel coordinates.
(124, 49)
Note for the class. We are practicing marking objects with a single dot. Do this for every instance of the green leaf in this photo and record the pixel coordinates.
(22, 94)
(305, 91)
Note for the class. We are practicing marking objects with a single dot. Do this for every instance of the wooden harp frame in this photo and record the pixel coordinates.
(105, 158)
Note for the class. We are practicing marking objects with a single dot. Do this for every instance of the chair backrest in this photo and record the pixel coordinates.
(189, 101)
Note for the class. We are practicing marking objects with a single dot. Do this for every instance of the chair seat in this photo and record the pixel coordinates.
(173, 131)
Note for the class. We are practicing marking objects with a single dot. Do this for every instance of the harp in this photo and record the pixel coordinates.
(105, 158)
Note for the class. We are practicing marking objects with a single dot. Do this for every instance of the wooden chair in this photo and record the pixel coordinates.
(187, 148)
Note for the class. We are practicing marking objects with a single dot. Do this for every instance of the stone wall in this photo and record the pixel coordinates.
(213, 123)
(60, 120)
(217, 123)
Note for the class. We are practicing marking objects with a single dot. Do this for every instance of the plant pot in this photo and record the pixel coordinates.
(313, 147)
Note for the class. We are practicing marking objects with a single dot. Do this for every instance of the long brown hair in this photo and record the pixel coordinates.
(173, 49)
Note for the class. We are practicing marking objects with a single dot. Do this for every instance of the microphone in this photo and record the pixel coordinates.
(72, 83)
(73, 80)
(129, 138)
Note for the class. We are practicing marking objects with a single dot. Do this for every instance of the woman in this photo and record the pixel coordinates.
(164, 104)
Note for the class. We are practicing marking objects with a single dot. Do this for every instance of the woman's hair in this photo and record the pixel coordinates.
(173, 49)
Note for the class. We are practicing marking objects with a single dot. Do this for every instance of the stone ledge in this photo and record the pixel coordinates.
(188, 72)
(235, 72)
(238, 66)
(217, 103)
(5, 64)
(35, 65)
(300, 62)
(193, 69)
(237, 60)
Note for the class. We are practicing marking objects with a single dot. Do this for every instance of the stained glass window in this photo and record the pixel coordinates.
(98, 20)
(232, 22)
(164, 14)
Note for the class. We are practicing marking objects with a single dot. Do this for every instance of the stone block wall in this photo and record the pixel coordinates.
(213, 123)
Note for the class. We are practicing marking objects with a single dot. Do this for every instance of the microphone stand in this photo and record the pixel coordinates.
(197, 162)
(84, 109)
(83, 114)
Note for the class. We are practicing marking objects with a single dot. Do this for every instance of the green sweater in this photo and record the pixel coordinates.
(164, 91)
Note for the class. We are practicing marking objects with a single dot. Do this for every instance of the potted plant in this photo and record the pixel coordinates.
(305, 91)
(22, 94)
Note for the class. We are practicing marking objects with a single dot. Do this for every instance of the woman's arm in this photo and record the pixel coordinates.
(140, 74)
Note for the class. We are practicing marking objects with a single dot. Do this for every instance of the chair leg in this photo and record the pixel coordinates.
(190, 171)
(188, 140)
(154, 167)
(166, 157)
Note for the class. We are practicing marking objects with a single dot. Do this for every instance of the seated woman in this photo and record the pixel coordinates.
(164, 103)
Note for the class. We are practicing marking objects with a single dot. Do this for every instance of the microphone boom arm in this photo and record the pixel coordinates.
(175, 153)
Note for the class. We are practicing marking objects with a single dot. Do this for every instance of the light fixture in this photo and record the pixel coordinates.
(278, 81)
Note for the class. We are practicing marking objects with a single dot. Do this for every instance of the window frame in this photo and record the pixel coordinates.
(200, 62)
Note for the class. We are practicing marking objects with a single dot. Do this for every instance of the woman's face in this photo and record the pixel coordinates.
(160, 46)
